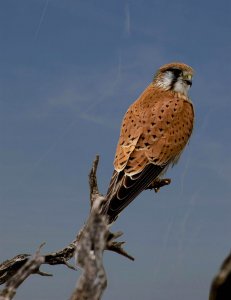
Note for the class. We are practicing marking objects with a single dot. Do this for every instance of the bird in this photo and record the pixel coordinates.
(154, 132)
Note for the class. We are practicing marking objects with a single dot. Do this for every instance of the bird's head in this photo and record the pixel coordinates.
(174, 76)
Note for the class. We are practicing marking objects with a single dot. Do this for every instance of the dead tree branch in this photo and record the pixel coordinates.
(92, 241)
(89, 252)
(10, 267)
(30, 267)
(88, 246)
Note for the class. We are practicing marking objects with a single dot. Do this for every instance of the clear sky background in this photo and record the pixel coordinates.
(68, 72)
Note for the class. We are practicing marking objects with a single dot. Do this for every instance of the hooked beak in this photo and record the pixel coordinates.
(188, 79)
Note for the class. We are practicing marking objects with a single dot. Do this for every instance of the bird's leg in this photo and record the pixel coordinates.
(158, 183)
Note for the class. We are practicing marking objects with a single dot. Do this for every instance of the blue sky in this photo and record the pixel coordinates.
(68, 72)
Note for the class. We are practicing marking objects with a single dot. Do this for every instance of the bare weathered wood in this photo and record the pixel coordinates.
(116, 246)
(88, 246)
(93, 281)
(97, 202)
(93, 185)
(30, 267)
(62, 256)
(9, 267)
(92, 241)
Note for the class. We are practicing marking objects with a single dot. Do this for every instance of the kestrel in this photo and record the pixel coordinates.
(154, 132)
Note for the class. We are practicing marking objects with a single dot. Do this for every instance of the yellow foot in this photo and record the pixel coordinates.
(158, 183)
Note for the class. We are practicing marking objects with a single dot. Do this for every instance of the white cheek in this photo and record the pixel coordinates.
(181, 87)
(166, 81)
